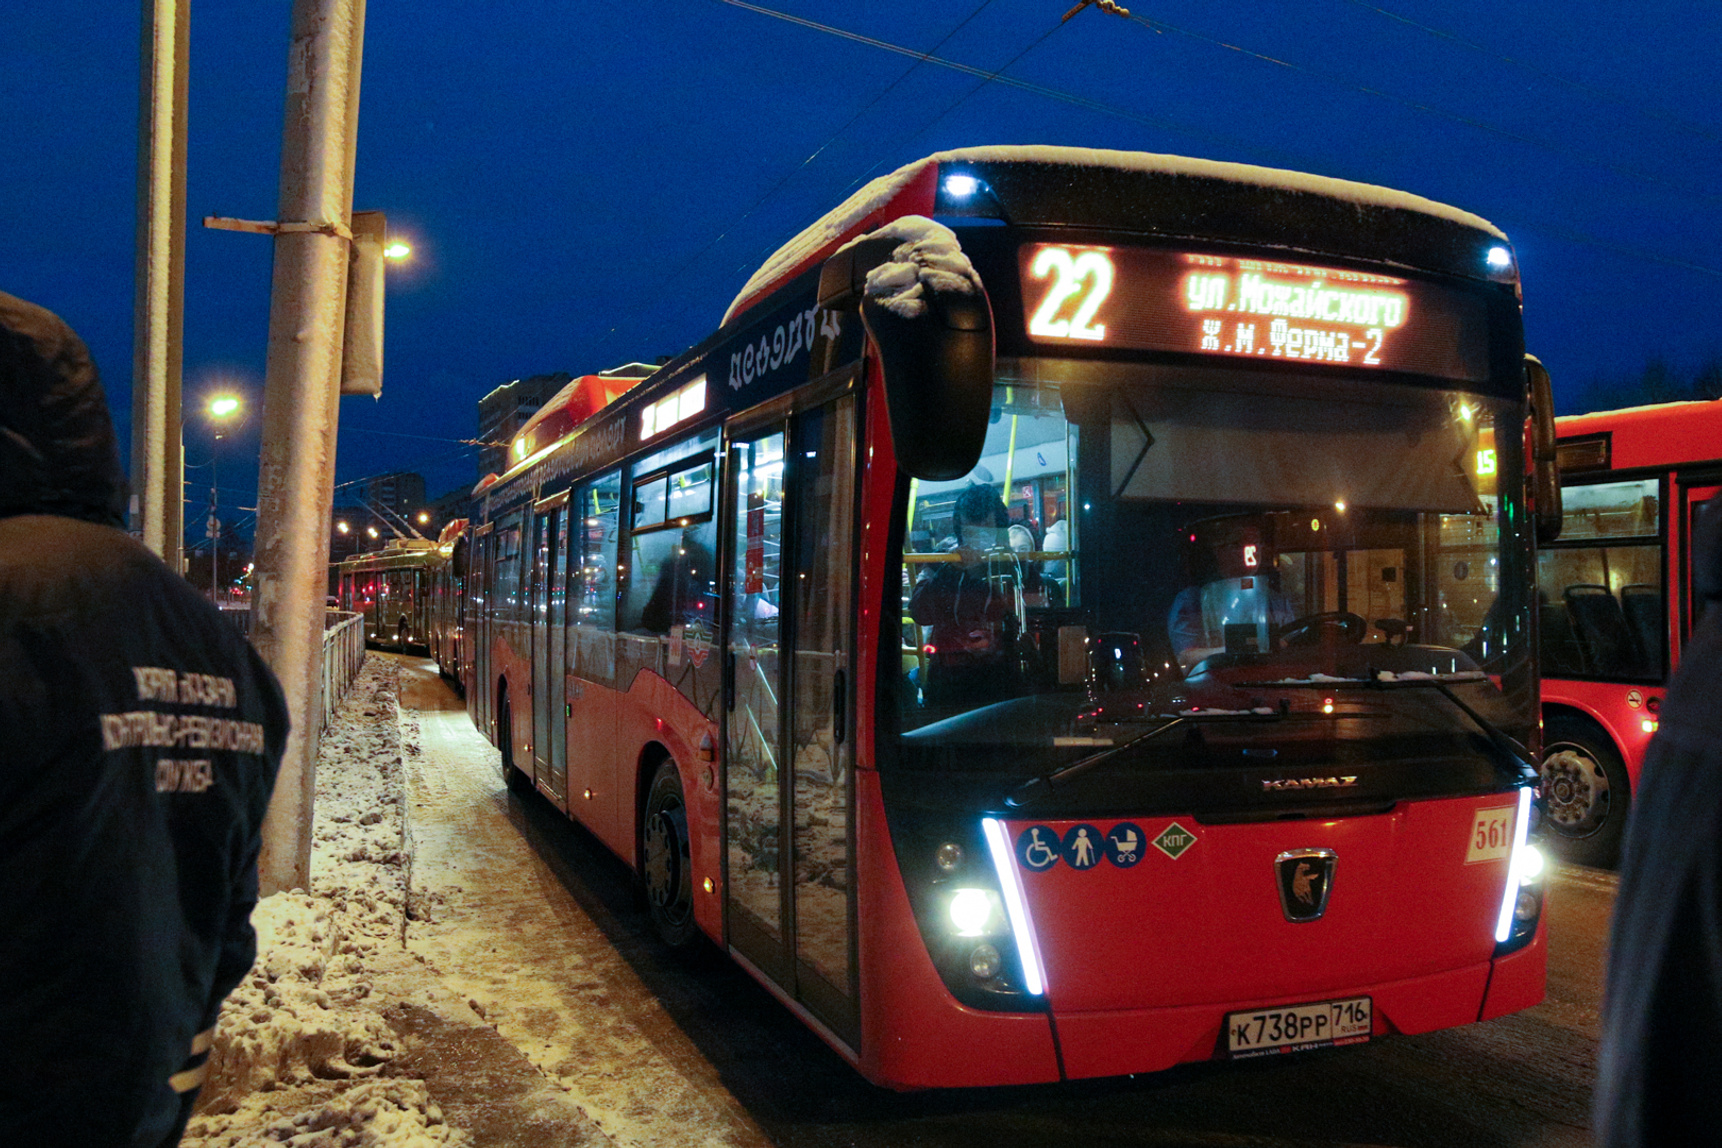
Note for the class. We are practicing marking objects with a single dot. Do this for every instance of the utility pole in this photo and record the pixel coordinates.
(301, 389)
(158, 460)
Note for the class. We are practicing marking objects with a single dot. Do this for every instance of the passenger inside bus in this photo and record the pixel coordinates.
(1232, 600)
(682, 593)
(964, 603)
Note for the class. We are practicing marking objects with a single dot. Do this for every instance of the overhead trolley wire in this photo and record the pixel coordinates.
(817, 152)
(1417, 105)
(1554, 77)
(985, 79)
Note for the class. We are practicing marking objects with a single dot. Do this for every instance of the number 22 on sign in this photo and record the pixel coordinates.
(1491, 835)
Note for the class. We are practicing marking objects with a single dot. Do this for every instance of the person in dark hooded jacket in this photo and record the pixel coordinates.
(1660, 1069)
(139, 739)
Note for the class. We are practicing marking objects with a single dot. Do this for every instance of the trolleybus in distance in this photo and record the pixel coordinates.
(392, 589)
(1616, 601)
(1088, 637)
(445, 627)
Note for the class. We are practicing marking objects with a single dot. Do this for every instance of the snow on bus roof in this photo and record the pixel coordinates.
(1675, 407)
(837, 223)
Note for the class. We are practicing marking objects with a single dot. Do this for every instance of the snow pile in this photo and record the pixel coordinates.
(396, 1113)
(928, 258)
(303, 1024)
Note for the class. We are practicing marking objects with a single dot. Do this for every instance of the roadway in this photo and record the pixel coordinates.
(539, 925)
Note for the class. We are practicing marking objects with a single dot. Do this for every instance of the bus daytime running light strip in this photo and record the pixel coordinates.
(1004, 860)
(1516, 866)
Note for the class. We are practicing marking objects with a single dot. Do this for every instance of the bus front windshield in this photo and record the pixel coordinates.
(1140, 542)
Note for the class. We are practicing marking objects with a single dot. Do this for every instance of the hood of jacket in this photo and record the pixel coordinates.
(1707, 549)
(58, 454)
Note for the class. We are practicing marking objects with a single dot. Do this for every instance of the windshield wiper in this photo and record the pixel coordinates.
(1497, 737)
(1036, 788)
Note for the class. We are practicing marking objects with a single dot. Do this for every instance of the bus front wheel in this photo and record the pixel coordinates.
(667, 871)
(1586, 790)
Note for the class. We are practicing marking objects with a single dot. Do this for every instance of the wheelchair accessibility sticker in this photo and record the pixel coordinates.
(1038, 848)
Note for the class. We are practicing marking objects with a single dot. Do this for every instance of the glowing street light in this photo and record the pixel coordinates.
(220, 407)
(397, 250)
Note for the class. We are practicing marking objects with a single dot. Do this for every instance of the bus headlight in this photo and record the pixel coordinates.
(1522, 899)
(1531, 870)
(976, 912)
(1004, 860)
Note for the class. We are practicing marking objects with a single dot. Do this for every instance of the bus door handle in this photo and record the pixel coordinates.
(839, 711)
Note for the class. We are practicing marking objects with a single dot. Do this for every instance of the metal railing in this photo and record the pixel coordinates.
(343, 655)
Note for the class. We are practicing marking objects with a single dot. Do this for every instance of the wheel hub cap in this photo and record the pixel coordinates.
(1577, 790)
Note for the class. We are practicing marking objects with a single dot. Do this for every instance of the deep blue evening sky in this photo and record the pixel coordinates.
(590, 183)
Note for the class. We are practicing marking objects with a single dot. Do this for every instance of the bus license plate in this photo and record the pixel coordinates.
(1296, 1028)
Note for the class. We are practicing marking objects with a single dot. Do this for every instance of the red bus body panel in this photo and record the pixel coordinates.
(1609, 704)
(1142, 964)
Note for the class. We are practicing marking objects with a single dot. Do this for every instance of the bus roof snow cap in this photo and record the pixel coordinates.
(925, 307)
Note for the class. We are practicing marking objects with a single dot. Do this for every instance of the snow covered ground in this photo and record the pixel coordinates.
(437, 986)
(301, 1051)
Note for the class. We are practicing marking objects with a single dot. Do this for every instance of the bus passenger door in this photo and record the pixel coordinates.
(788, 662)
(480, 585)
(591, 702)
(546, 615)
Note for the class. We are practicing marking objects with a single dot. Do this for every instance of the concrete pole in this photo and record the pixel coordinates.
(296, 476)
(158, 460)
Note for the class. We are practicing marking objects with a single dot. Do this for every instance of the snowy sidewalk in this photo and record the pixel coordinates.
(438, 986)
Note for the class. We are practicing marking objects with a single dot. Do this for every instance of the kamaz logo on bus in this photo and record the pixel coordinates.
(780, 348)
(1277, 783)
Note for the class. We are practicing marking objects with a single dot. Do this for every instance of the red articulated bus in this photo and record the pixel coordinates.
(1616, 601)
(1073, 617)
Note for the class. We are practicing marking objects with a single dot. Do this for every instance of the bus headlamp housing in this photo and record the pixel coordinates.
(963, 911)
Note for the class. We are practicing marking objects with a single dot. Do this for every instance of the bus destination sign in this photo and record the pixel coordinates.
(1152, 299)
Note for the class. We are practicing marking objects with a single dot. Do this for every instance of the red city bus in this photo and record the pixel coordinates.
(1617, 604)
(1111, 647)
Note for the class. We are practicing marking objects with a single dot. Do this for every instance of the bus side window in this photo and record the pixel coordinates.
(595, 509)
(672, 550)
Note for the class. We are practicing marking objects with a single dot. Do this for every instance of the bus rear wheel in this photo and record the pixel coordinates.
(511, 774)
(1586, 792)
(666, 868)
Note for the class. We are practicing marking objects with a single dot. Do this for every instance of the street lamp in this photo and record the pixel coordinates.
(220, 408)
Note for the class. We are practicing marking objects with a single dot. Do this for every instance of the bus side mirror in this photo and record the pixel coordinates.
(938, 365)
(1545, 471)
